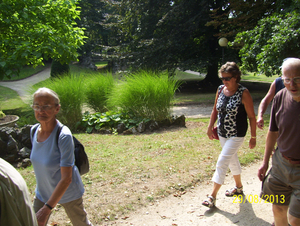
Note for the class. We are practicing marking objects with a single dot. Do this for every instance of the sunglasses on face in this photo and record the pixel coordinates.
(226, 78)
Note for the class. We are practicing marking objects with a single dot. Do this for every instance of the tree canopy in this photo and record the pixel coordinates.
(91, 18)
(33, 30)
(275, 38)
(163, 34)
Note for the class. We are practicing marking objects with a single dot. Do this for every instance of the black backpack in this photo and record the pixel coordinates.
(81, 159)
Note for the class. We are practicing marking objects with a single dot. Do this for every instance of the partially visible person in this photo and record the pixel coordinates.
(15, 204)
(58, 179)
(233, 105)
(281, 186)
(275, 87)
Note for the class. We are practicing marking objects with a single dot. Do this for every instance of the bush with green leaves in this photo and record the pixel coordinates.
(97, 89)
(144, 94)
(109, 120)
(58, 69)
(70, 90)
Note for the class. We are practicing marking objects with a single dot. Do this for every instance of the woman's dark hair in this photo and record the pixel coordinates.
(233, 69)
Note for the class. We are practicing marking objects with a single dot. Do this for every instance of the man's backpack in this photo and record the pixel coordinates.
(81, 159)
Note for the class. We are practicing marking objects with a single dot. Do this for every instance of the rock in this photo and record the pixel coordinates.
(12, 146)
(25, 152)
(141, 127)
(15, 144)
(153, 125)
(3, 147)
(26, 162)
(121, 128)
(179, 121)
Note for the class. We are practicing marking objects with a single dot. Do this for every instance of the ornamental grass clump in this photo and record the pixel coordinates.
(97, 89)
(144, 94)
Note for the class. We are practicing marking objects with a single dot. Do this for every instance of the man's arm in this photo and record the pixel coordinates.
(264, 105)
(270, 144)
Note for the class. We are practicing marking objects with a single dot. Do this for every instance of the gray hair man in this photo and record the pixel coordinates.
(281, 186)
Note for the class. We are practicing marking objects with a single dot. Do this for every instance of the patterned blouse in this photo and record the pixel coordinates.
(232, 116)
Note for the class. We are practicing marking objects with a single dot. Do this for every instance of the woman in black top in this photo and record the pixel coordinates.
(233, 104)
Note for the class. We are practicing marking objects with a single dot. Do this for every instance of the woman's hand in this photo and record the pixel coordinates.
(42, 215)
(210, 134)
(252, 143)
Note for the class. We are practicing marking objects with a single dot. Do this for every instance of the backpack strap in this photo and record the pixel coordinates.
(58, 132)
(33, 130)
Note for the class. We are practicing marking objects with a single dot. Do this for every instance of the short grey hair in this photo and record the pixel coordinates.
(290, 62)
(48, 91)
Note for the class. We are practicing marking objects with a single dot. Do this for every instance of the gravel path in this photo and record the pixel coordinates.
(187, 210)
(22, 86)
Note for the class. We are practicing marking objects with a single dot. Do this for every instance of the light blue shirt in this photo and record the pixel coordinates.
(47, 159)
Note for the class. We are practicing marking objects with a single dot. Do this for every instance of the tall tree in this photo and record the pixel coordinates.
(184, 34)
(166, 34)
(33, 30)
(91, 19)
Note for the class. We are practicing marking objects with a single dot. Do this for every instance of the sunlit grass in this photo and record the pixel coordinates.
(258, 77)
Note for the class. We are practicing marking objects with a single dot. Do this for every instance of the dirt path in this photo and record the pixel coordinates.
(187, 209)
(22, 86)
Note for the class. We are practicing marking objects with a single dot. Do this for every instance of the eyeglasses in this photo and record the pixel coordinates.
(288, 80)
(226, 78)
(36, 107)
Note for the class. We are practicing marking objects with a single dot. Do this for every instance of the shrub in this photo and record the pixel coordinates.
(70, 91)
(97, 89)
(145, 95)
(58, 69)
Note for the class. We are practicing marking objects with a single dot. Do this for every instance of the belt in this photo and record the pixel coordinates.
(291, 160)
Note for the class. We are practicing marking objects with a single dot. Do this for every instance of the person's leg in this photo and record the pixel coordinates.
(238, 180)
(280, 215)
(216, 189)
(228, 158)
(76, 213)
(294, 221)
(294, 207)
(211, 199)
(228, 150)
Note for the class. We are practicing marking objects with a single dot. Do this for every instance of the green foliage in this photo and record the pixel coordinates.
(33, 30)
(145, 95)
(70, 91)
(58, 69)
(91, 20)
(165, 35)
(267, 45)
(109, 120)
(2, 115)
(97, 89)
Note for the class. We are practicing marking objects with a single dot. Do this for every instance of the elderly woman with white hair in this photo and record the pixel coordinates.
(58, 179)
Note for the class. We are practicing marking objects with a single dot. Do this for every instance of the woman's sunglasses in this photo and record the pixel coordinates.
(226, 78)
